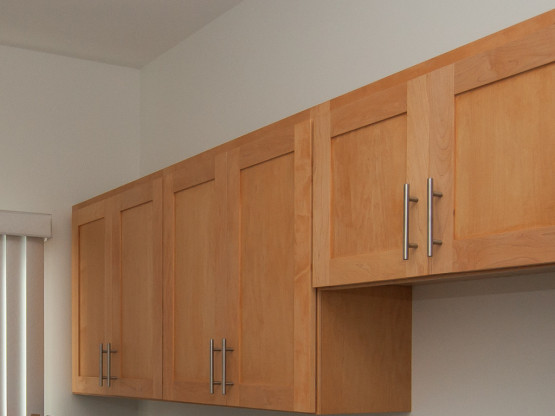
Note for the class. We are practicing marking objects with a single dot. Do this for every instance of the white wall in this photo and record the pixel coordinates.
(69, 130)
(265, 60)
(483, 348)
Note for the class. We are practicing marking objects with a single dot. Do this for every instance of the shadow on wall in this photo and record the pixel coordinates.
(152, 408)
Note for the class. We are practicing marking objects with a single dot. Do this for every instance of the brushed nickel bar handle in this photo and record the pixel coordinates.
(406, 199)
(109, 377)
(211, 366)
(224, 351)
(431, 195)
(100, 370)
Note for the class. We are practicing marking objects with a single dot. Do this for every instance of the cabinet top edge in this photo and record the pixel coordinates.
(119, 189)
(481, 45)
(489, 42)
(277, 127)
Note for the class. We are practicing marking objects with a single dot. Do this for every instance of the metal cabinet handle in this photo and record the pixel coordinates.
(101, 352)
(406, 199)
(224, 351)
(100, 357)
(110, 351)
(431, 195)
(212, 366)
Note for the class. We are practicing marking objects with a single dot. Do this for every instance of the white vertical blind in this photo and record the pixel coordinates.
(3, 329)
(22, 314)
(35, 325)
(16, 327)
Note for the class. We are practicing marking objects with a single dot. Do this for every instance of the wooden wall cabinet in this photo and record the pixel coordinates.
(117, 292)
(480, 129)
(237, 258)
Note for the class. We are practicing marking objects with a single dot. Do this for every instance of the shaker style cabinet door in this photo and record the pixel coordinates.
(497, 165)
(117, 293)
(272, 310)
(195, 270)
(367, 228)
(136, 332)
(91, 279)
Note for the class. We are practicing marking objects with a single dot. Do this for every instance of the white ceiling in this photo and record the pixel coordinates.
(121, 32)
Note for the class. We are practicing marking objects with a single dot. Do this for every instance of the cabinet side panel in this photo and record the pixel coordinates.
(365, 350)
(368, 173)
(91, 295)
(505, 149)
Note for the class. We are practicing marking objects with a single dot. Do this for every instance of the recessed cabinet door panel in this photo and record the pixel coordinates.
(368, 164)
(272, 310)
(503, 152)
(195, 281)
(137, 291)
(91, 259)
(363, 157)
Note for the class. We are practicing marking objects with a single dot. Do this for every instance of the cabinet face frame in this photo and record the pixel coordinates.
(523, 245)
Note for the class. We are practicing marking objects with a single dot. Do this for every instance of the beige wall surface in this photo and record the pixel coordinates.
(68, 131)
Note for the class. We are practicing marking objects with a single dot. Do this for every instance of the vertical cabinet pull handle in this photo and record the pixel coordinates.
(100, 370)
(224, 351)
(431, 195)
(101, 376)
(406, 199)
(109, 377)
(212, 366)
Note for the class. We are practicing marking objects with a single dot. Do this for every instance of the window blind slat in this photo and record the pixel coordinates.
(16, 328)
(35, 325)
(3, 329)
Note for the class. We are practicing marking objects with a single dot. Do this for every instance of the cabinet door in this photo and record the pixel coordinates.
(194, 277)
(364, 152)
(500, 193)
(136, 332)
(91, 274)
(271, 301)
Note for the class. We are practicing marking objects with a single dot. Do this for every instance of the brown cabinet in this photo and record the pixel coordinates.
(443, 172)
(117, 293)
(237, 262)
